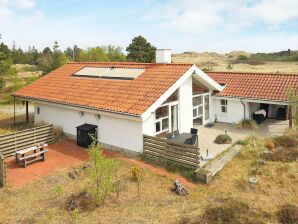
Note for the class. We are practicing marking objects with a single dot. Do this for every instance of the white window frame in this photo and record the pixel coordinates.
(159, 120)
(196, 108)
(224, 106)
(203, 107)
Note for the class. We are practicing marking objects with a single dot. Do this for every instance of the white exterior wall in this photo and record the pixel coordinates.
(116, 131)
(185, 106)
(235, 110)
(149, 125)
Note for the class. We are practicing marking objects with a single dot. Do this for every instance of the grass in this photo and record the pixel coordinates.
(247, 124)
(228, 198)
(188, 173)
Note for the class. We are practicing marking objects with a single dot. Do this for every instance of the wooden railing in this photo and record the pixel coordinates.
(11, 143)
(182, 154)
(2, 171)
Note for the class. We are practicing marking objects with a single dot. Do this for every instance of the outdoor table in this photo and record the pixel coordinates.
(180, 138)
(29, 155)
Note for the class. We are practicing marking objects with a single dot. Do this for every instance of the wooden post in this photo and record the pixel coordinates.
(290, 116)
(14, 110)
(27, 113)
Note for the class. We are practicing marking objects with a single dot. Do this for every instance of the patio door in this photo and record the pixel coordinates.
(174, 117)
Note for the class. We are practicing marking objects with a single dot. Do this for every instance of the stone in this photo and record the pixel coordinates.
(179, 189)
(71, 175)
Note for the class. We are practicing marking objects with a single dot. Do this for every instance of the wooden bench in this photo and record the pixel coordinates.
(37, 153)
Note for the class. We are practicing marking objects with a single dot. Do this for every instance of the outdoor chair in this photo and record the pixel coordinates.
(193, 131)
(192, 141)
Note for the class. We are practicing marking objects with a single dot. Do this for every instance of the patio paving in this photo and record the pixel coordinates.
(64, 154)
(207, 135)
(61, 155)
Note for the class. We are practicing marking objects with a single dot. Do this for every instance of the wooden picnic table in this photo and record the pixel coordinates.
(31, 154)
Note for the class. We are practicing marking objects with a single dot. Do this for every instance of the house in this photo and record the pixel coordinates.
(125, 100)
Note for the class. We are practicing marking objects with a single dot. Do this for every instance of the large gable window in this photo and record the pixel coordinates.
(162, 119)
(224, 106)
(197, 109)
(166, 116)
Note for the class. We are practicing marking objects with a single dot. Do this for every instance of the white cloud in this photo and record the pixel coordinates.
(197, 16)
(8, 7)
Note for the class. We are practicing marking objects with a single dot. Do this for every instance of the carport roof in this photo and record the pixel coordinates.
(261, 86)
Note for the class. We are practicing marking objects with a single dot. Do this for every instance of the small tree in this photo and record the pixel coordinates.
(102, 171)
(136, 173)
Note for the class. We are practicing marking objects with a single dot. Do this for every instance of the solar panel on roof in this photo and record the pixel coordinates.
(92, 71)
(110, 73)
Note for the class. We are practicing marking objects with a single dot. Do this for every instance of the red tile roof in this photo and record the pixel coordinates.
(123, 96)
(262, 86)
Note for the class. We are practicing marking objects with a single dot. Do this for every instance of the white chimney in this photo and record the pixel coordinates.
(163, 56)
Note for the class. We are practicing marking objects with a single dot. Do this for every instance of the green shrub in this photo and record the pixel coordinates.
(247, 124)
(242, 142)
(288, 214)
(102, 171)
(242, 57)
(223, 139)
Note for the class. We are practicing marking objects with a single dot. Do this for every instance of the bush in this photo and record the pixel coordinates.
(242, 57)
(229, 211)
(242, 142)
(102, 171)
(223, 139)
(247, 124)
(286, 141)
(288, 214)
(136, 173)
(270, 145)
(282, 155)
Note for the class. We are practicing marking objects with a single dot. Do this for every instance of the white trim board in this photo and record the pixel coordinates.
(248, 100)
(111, 114)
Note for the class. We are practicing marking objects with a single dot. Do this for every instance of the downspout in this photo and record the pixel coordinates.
(244, 107)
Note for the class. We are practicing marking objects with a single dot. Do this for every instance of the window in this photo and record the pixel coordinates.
(224, 106)
(197, 100)
(162, 112)
(172, 98)
(197, 106)
(38, 110)
(162, 119)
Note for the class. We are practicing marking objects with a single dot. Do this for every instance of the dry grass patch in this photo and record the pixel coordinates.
(248, 124)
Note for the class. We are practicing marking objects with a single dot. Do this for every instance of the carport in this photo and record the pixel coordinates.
(274, 110)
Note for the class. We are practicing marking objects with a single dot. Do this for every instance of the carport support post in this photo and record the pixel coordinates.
(14, 110)
(27, 113)
(290, 117)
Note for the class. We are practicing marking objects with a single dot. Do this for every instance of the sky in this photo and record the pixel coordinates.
(181, 25)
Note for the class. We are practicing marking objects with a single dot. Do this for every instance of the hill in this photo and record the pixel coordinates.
(241, 61)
